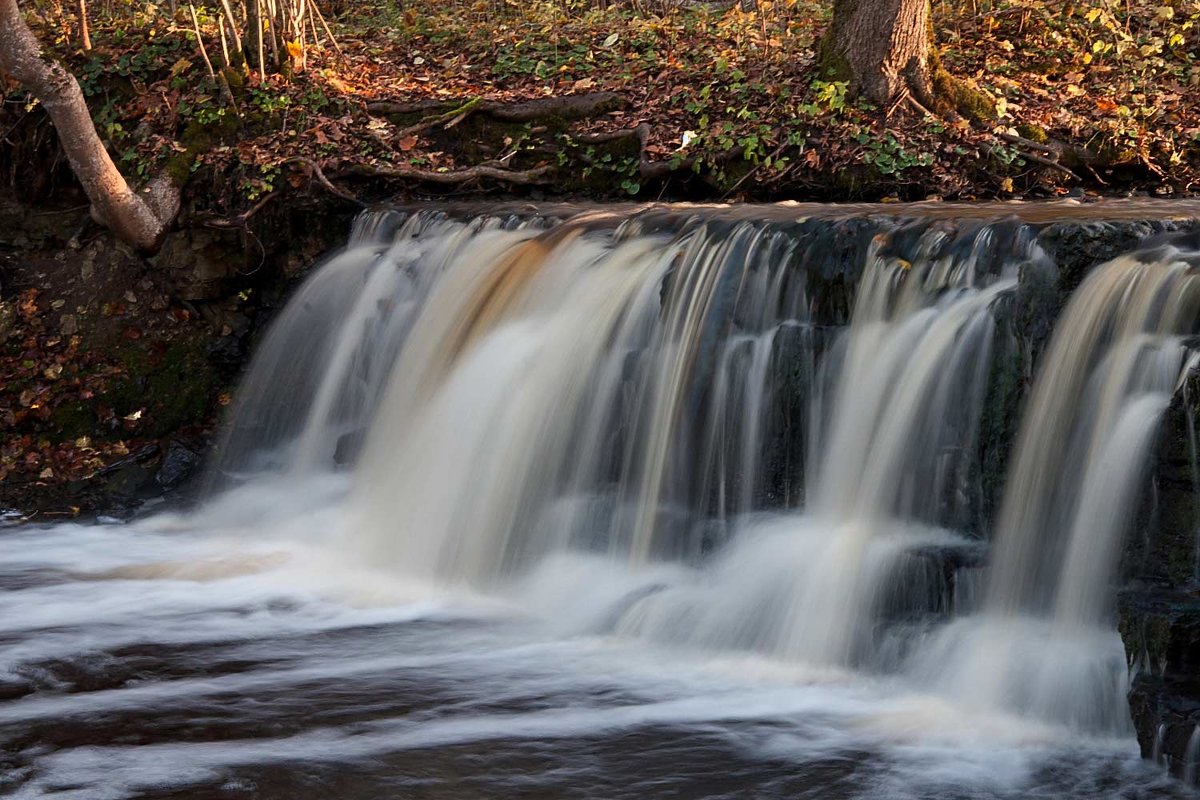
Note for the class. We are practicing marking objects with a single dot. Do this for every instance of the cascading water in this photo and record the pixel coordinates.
(541, 396)
(1043, 644)
(761, 444)
(892, 448)
(635, 393)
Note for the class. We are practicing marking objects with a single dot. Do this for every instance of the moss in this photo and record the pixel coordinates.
(73, 420)
(1034, 133)
(175, 387)
(962, 96)
(405, 119)
(179, 168)
(832, 63)
(198, 138)
(733, 174)
(234, 78)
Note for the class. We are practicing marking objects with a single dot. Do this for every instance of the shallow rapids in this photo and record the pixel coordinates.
(173, 658)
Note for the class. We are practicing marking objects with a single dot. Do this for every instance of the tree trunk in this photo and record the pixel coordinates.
(882, 47)
(138, 219)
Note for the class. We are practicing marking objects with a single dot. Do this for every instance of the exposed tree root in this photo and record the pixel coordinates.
(315, 168)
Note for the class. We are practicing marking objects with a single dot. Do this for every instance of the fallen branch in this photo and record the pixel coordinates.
(1049, 162)
(570, 107)
(988, 150)
(1012, 138)
(139, 218)
(520, 178)
(641, 133)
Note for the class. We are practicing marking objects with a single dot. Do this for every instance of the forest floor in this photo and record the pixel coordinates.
(494, 98)
(554, 99)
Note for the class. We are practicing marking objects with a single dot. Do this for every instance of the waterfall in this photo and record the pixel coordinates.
(1112, 366)
(1043, 643)
(557, 393)
(1191, 755)
(739, 435)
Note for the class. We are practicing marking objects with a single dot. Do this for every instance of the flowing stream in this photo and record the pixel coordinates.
(632, 505)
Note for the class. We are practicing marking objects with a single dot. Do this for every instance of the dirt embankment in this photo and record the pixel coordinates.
(115, 368)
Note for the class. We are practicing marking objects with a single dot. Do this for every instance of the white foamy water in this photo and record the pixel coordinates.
(168, 659)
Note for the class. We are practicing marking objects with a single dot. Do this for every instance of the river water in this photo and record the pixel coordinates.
(233, 654)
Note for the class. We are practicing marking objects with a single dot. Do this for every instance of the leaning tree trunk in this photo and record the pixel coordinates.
(138, 219)
(882, 47)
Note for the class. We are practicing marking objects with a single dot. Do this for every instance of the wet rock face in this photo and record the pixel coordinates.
(1159, 606)
(1161, 630)
(178, 464)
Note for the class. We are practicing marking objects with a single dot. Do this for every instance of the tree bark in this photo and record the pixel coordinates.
(882, 47)
(140, 219)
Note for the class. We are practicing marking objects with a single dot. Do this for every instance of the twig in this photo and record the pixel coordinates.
(224, 44)
(262, 56)
(241, 219)
(918, 107)
(317, 13)
(233, 31)
(200, 41)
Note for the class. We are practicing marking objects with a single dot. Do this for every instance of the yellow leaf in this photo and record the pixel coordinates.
(294, 49)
